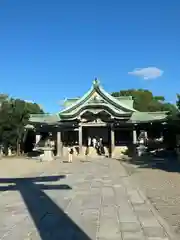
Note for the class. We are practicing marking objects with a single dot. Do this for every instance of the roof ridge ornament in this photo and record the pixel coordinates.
(96, 82)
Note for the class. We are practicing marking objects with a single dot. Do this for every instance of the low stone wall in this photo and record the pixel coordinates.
(119, 151)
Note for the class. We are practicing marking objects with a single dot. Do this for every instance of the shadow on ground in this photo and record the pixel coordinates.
(50, 221)
(163, 160)
(34, 154)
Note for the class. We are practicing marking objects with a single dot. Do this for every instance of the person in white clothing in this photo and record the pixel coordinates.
(89, 141)
(70, 154)
(94, 142)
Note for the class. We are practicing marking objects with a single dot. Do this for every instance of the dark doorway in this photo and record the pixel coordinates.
(29, 141)
(70, 137)
(97, 132)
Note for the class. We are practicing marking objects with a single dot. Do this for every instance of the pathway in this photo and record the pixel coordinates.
(83, 200)
(161, 185)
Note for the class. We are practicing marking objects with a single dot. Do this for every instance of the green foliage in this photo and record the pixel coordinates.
(178, 102)
(145, 101)
(14, 116)
(175, 118)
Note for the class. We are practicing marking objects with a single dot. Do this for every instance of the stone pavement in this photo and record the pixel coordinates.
(84, 200)
(162, 188)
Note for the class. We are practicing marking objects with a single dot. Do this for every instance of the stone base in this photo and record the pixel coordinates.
(119, 151)
(48, 155)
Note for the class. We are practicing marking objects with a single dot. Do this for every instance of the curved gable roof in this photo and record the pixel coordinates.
(96, 89)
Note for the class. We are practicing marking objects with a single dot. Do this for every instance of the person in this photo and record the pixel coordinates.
(101, 146)
(98, 147)
(142, 141)
(70, 154)
(89, 142)
(94, 142)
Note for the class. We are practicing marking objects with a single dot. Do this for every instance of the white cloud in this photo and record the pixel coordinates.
(147, 73)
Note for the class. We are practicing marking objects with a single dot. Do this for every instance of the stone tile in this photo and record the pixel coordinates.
(135, 197)
(121, 197)
(154, 232)
(108, 196)
(126, 218)
(126, 214)
(96, 184)
(89, 223)
(149, 221)
(91, 202)
(108, 211)
(133, 236)
(157, 238)
(24, 230)
(108, 229)
(130, 227)
(142, 208)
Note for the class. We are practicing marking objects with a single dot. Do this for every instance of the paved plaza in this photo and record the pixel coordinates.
(86, 200)
(161, 186)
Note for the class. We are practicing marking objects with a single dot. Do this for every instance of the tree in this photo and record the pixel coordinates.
(178, 101)
(14, 116)
(145, 101)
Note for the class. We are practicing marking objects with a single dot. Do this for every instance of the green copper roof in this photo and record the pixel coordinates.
(94, 108)
(147, 116)
(69, 101)
(97, 96)
(95, 101)
(44, 118)
(126, 100)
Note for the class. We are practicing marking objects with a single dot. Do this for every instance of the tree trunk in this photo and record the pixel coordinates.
(17, 148)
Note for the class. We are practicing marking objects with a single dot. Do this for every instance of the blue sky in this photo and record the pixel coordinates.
(52, 49)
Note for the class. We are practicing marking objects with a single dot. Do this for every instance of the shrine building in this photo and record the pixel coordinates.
(97, 114)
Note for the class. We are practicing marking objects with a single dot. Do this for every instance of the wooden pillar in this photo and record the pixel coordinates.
(59, 144)
(134, 145)
(80, 139)
(112, 140)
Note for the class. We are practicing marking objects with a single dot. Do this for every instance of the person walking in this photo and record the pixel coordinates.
(70, 154)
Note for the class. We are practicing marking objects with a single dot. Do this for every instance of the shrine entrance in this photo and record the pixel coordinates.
(97, 133)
